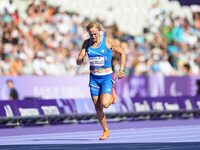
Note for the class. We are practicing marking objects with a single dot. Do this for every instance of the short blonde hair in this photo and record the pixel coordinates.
(94, 24)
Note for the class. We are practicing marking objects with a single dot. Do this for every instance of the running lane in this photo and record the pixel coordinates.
(183, 134)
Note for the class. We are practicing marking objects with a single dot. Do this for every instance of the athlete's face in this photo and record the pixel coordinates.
(94, 34)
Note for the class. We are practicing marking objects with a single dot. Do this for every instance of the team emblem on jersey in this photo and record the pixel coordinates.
(103, 50)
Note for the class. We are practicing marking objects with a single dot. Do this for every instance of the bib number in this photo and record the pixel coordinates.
(96, 61)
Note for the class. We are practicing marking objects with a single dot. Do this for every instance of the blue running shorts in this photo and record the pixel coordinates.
(101, 84)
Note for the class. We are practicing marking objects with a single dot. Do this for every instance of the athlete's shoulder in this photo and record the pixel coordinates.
(109, 42)
(85, 43)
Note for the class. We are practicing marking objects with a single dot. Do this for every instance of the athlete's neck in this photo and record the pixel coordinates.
(96, 43)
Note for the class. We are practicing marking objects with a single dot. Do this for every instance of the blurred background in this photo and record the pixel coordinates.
(41, 39)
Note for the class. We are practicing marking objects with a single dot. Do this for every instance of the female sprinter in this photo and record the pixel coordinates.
(99, 49)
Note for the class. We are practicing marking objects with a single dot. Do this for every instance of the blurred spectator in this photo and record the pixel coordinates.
(5, 66)
(178, 31)
(13, 95)
(51, 68)
(141, 67)
(9, 7)
(70, 64)
(165, 67)
(16, 67)
(187, 69)
(27, 64)
(39, 64)
(155, 67)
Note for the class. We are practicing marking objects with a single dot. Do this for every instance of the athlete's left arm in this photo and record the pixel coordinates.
(117, 48)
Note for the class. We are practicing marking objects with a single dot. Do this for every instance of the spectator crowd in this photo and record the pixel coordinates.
(46, 41)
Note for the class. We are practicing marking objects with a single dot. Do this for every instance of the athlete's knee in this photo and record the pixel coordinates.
(105, 104)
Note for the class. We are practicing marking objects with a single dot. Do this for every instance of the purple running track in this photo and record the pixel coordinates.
(121, 132)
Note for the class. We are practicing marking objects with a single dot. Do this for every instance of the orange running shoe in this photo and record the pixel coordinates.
(105, 135)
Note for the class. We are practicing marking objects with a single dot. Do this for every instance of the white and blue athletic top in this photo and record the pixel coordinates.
(100, 57)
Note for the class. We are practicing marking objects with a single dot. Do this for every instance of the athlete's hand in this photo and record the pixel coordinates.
(120, 74)
(81, 60)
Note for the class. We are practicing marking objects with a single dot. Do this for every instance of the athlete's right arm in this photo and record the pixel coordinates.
(82, 54)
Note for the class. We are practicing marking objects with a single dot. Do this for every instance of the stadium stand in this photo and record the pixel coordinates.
(26, 25)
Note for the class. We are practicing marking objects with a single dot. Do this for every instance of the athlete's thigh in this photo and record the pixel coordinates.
(95, 99)
(106, 99)
(106, 86)
(106, 92)
(94, 87)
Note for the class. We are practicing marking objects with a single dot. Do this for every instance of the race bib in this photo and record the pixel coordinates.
(96, 61)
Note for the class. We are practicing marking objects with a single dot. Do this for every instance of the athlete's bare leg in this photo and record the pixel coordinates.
(106, 100)
(100, 113)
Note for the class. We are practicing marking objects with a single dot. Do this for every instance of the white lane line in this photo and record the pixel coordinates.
(157, 134)
(180, 141)
(160, 139)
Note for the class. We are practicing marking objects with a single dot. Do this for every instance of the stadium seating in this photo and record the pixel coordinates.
(137, 10)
